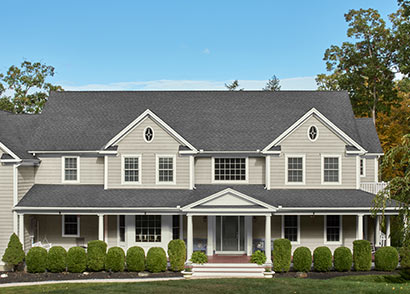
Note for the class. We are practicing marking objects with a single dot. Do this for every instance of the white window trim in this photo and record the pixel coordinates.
(174, 165)
(123, 156)
(322, 168)
(213, 181)
(340, 232)
(63, 234)
(317, 133)
(303, 156)
(153, 134)
(364, 167)
(119, 242)
(63, 180)
(283, 230)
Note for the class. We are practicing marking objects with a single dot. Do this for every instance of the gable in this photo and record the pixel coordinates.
(228, 199)
(7, 151)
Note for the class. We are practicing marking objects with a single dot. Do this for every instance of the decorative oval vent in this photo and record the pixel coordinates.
(313, 133)
(148, 134)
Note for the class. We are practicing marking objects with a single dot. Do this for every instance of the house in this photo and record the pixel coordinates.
(225, 171)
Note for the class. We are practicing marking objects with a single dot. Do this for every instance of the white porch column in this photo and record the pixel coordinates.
(211, 235)
(268, 248)
(388, 237)
(377, 232)
(190, 237)
(101, 227)
(359, 227)
(248, 235)
(21, 229)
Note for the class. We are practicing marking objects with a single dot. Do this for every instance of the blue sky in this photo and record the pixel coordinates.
(176, 44)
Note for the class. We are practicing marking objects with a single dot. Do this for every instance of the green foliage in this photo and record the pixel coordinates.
(405, 257)
(258, 257)
(156, 260)
(115, 259)
(177, 255)
(36, 260)
(76, 260)
(362, 255)
(14, 253)
(96, 254)
(56, 259)
(233, 86)
(386, 259)
(302, 259)
(322, 259)
(135, 259)
(282, 253)
(273, 84)
(343, 259)
(199, 257)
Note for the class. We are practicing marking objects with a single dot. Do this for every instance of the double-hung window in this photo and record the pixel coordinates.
(71, 171)
(290, 229)
(295, 173)
(147, 228)
(131, 169)
(166, 169)
(333, 229)
(331, 169)
(71, 226)
(229, 169)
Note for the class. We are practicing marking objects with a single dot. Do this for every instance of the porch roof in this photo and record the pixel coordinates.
(94, 196)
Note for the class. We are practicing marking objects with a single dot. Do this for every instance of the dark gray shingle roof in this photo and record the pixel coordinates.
(368, 135)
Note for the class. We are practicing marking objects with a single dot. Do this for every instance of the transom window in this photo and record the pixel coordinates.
(333, 225)
(131, 172)
(313, 133)
(166, 169)
(290, 227)
(230, 169)
(331, 170)
(295, 169)
(148, 134)
(71, 226)
(147, 228)
(71, 169)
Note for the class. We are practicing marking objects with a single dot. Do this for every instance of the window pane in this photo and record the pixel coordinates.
(333, 228)
(175, 227)
(121, 227)
(131, 169)
(70, 225)
(331, 169)
(230, 169)
(148, 228)
(70, 169)
(295, 169)
(291, 227)
(166, 169)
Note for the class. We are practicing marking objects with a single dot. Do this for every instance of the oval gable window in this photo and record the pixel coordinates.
(313, 133)
(148, 134)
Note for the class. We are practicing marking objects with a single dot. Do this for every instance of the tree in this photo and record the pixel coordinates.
(405, 4)
(273, 84)
(233, 86)
(364, 67)
(14, 254)
(29, 87)
(327, 82)
(401, 36)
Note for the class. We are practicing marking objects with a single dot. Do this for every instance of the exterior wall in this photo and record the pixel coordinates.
(369, 176)
(25, 180)
(6, 204)
(327, 143)
(134, 144)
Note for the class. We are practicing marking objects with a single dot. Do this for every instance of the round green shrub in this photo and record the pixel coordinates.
(258, 257)
(56, 259)
(115, 259)
(96, 254)
(177, 255)
(322, 259)
(386, 259)
(36, 260)
(199, 257)
(343, 259)
(76, 260)
(302, 259)
(135, 259)
(156, 260)
(282, 253)
(362, 255)
(14, 254)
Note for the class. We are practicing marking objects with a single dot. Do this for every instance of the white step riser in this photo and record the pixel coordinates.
(248, 265)
(227, 274)
(230, 270)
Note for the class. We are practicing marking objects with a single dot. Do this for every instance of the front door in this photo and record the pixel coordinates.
(230, 237)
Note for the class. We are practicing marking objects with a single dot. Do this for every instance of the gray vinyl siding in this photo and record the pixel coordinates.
(6, 204)
(203, 170)
(49, 171)
(162, 144)
(25, 180)
(327, 143)
(369, 170)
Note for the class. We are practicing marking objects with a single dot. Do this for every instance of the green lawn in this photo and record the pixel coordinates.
(357, 284)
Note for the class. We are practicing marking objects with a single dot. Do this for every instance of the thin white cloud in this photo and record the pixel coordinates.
(206, 51)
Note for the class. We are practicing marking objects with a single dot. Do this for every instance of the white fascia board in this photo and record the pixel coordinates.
(304, 118)
(133, 124)
(20, 208)
(334, 208)
(375, 154)
(9, 152)
(10, 160)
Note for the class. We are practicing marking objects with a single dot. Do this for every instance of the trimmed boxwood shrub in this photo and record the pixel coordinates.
(199, 257)
(362, 255)
(302, 259)
(36, 260)
(115, 259)
(177, 255)
(156, 260)
(258, 257)
(386, 259)
(343, 259)
(96, 254)
(405, 262)
(322, 259)
(14, 254)
(135, 259)
(56, 259)
(76, 260)
(282, 252)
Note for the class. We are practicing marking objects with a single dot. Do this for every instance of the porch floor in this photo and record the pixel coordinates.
(229, 258)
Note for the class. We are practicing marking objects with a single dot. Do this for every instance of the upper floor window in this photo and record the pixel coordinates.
(148, 134)
(331, 169)
(290, 228)
(165, 169)
(71, 169)
(313, 133)
(230, 169)
(295, 172)
(71, 226)
(131, 169)
(147, 228)
(333, 228)
(362, 167)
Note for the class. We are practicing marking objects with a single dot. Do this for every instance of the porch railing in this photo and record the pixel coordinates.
(373, 188)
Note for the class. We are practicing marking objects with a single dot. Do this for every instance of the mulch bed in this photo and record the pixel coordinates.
(329, 275)
(15, 277)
